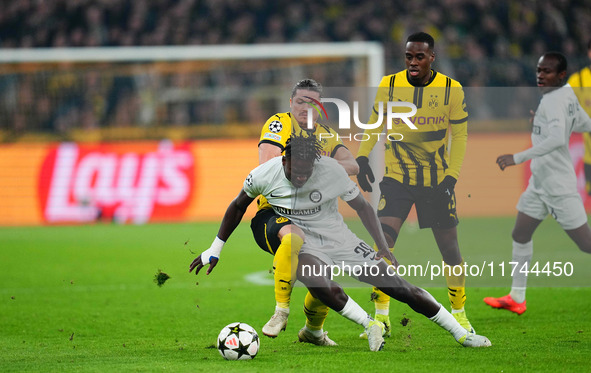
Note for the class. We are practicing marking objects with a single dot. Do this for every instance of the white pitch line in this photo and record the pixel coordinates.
(263, 278)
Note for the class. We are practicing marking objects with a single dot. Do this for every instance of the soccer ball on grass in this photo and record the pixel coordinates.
(238, 341)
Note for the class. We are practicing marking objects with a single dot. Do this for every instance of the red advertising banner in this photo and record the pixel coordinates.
(126, 182)
(151, 181)
(120, 182)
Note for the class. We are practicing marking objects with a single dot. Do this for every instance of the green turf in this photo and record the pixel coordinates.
(83, 299)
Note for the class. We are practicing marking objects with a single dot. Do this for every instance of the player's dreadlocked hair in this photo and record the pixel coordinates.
(306, 148)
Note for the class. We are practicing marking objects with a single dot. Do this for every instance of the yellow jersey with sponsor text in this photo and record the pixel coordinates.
(420, 156)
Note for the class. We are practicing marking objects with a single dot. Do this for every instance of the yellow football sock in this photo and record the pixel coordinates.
(380, 299)
(456, 285)
(287, 252)
(315, 311)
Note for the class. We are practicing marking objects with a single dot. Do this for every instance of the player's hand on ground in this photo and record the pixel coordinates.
(446, 188)
(365, 176)
(505, 161)
(209, 256)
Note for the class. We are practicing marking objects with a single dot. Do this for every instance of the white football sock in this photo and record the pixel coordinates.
(445, 320)
(282, 309)
(522, 253)
(382, 312)
(315, 333)
(355, 313)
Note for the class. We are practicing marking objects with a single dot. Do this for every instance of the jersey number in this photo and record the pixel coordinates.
(365, 250)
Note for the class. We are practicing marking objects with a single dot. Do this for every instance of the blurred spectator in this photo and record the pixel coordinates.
(486, 43)
(504, 28)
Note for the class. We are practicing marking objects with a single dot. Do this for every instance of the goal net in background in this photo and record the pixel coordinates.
(144, 92)
(100, 134)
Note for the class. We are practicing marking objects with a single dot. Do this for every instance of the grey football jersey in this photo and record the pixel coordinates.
(314, 206)
(557, 116)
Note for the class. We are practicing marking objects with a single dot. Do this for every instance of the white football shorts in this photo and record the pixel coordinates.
(568, 210)
(354, 257)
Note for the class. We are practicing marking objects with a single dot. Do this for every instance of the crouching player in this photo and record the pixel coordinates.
(305, 187)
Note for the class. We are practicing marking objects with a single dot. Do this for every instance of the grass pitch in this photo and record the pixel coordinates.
(84, 299)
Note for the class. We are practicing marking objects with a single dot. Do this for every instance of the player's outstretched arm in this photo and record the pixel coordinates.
(557, 137)
(232, 218)
(372, 224)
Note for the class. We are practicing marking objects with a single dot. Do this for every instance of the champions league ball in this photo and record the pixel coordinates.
(238, 341)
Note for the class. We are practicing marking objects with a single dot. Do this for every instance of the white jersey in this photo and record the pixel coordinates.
(314, 206)
(558, 115)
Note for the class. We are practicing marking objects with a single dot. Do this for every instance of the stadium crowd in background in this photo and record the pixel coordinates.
(482, 44)
(491, 38)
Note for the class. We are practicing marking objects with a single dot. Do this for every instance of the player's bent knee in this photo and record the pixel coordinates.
(581, 236)
(585, 246)
(291, 229)
(520, 237)
(338, 294)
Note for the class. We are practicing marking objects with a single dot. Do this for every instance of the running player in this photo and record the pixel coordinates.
(552, 187)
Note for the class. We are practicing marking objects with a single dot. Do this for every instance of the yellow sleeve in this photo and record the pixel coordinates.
(334, 142)
(459, 131)
(277, 130)
(381, 96)
(574, 80)
(459, 140)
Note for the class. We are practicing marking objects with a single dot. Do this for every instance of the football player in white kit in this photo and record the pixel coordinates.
(552, 188)
(304, 187)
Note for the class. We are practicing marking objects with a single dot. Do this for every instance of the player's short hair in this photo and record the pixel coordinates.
(560, 58)
(308, 85)
(589, 45)
(422, 37)
(306, 148)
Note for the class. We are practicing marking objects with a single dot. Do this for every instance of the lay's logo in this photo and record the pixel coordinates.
(82, 183)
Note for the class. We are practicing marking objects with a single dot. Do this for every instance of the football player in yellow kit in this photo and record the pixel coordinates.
(420, 169)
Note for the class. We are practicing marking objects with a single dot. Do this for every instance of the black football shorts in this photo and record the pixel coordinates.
(396, 200)
(265, 227)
